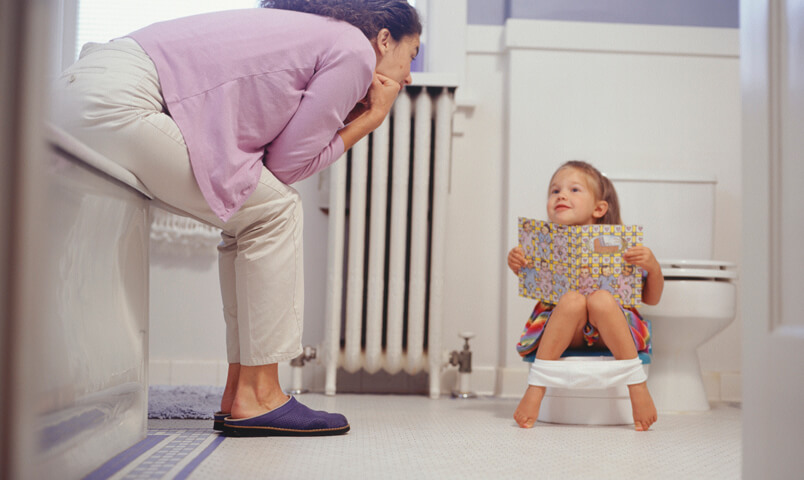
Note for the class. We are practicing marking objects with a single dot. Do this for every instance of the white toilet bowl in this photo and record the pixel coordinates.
(699, 301)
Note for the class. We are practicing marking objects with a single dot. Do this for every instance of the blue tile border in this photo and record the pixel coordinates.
(166, 456)
(185, 472)
(118, 462)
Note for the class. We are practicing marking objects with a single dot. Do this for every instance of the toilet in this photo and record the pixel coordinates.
(699, 300)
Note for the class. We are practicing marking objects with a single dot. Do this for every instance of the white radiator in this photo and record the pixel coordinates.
(385, 269)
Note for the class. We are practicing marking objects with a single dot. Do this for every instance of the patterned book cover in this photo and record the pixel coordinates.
(583, 258)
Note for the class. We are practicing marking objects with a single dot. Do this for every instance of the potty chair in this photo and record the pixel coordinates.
(587, 387)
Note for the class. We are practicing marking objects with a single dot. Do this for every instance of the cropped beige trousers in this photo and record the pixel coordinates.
(111, 100)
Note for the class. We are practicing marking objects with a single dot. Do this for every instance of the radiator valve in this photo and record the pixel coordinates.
(296, 365)
(463, 360)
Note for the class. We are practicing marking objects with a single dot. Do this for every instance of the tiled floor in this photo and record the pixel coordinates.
(415, 437)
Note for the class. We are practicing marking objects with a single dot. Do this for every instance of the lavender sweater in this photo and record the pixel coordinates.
(258, 86)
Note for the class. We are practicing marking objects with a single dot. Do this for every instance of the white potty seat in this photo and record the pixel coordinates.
(588, 390)
(586, 373)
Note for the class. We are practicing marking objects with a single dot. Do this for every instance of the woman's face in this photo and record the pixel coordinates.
(394, 57)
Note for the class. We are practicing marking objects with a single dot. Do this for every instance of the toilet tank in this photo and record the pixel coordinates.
(677, 211)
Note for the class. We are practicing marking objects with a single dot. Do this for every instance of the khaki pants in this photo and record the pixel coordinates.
(111, 101)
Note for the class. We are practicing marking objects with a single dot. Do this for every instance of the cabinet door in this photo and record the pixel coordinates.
(772, 71)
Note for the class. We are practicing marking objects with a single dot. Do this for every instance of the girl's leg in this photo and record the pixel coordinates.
(564, 329)
(607, 317)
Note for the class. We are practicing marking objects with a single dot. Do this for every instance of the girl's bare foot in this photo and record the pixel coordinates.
(528, 410)
(642, 406)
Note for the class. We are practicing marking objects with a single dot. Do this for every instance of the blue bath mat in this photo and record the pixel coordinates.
(183, 401)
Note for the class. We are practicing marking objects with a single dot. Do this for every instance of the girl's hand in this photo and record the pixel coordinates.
(516, 259)
(643, 257)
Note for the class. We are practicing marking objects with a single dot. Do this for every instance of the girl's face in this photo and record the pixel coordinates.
(606, 270)
(571, 201)
(394, 57)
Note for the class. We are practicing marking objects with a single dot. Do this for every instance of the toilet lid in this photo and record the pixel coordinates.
(698, 269)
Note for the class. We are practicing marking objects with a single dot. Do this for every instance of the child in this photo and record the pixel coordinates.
(580, 195)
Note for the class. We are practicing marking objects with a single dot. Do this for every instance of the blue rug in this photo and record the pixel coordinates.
(183, 401)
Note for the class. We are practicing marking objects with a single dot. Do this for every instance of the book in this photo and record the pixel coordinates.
(583, 258)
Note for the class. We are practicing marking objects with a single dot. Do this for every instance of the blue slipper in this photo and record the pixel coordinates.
(217, 420)
(291, 419)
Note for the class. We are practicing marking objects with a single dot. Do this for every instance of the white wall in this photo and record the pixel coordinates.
(533, 94)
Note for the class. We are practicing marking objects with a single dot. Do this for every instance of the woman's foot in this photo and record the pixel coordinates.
(258, 391)
(232, 378)
(247, 406)
(528, 410)
(642, 406)
(290, 419)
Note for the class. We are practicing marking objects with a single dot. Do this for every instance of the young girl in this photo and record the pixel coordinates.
(580, 195)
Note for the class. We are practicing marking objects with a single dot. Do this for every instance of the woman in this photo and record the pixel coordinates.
(217, 114)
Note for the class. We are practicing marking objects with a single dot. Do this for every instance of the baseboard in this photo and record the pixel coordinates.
(482, 381)
(487, 381)
(505, 382)
(512, 381)
(723, 386)
(187, 372)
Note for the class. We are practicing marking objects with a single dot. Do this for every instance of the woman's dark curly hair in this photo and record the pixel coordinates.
(370, 16)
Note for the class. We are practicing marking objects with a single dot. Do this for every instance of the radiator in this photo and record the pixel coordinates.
(385, 272)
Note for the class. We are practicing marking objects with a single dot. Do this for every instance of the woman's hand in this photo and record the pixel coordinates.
(381, 96)
(516, 259)
(370, 112)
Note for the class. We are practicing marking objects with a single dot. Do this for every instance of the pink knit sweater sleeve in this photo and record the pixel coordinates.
(309, 142)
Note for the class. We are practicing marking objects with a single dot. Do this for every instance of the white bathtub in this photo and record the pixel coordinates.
(95, 346)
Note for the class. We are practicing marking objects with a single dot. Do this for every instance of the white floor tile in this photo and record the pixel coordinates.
(395, 436)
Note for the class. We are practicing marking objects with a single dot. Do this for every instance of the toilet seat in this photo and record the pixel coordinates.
(698, 270)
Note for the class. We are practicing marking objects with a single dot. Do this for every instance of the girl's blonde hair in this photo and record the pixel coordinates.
(602, 188)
